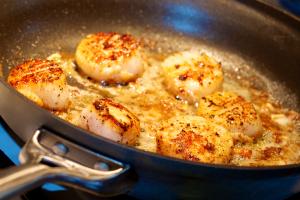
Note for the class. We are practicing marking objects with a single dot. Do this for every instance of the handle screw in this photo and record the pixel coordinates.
(101, 166)
(60, 149)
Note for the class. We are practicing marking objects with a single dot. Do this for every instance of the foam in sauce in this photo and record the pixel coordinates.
(151, 103)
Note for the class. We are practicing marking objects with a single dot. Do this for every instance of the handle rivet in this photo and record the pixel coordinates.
(101, 166)
(60, 149)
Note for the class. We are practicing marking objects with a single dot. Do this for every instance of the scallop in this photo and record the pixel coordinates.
(231, 111)
(43, 82)
(190, 75)
(111, 120)
(194, 138)
(110, 57)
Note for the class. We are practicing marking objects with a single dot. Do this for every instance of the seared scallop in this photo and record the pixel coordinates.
(194, 138)
(110, 57)
(111, 120)
(42, 81)
(232, 111)
(190, 75)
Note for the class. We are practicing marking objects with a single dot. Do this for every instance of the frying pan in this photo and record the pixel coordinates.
(239, 33)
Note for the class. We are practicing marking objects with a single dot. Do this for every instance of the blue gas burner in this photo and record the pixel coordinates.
(291, 5)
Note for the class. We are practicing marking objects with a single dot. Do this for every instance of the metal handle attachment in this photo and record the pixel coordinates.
(47, 157)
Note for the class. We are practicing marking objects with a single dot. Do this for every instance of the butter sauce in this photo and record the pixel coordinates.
(151, 103)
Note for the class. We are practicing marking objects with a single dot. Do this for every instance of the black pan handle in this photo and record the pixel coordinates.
(48, 157)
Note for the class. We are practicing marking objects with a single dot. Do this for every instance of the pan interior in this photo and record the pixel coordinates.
(238, 36)
(226, 31)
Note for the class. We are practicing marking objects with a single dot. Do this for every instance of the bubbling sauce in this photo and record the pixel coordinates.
(148, 99)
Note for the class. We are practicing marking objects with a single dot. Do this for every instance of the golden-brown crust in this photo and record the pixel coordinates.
(34, 71)
(110, 57)
(243, 152)
(111, 120)
(117, 46)
(190, 75)
(202, 69)
(194, 138)
(271, 152)
(237, 114)
(43, 82)
(101, 105)
(231, 110)
(184, 141)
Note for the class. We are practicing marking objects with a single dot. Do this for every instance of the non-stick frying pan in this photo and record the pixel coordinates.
(239, 33)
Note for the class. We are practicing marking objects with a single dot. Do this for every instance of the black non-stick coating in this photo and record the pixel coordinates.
(239, 33)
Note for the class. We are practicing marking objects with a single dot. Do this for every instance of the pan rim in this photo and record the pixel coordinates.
(158, 156)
